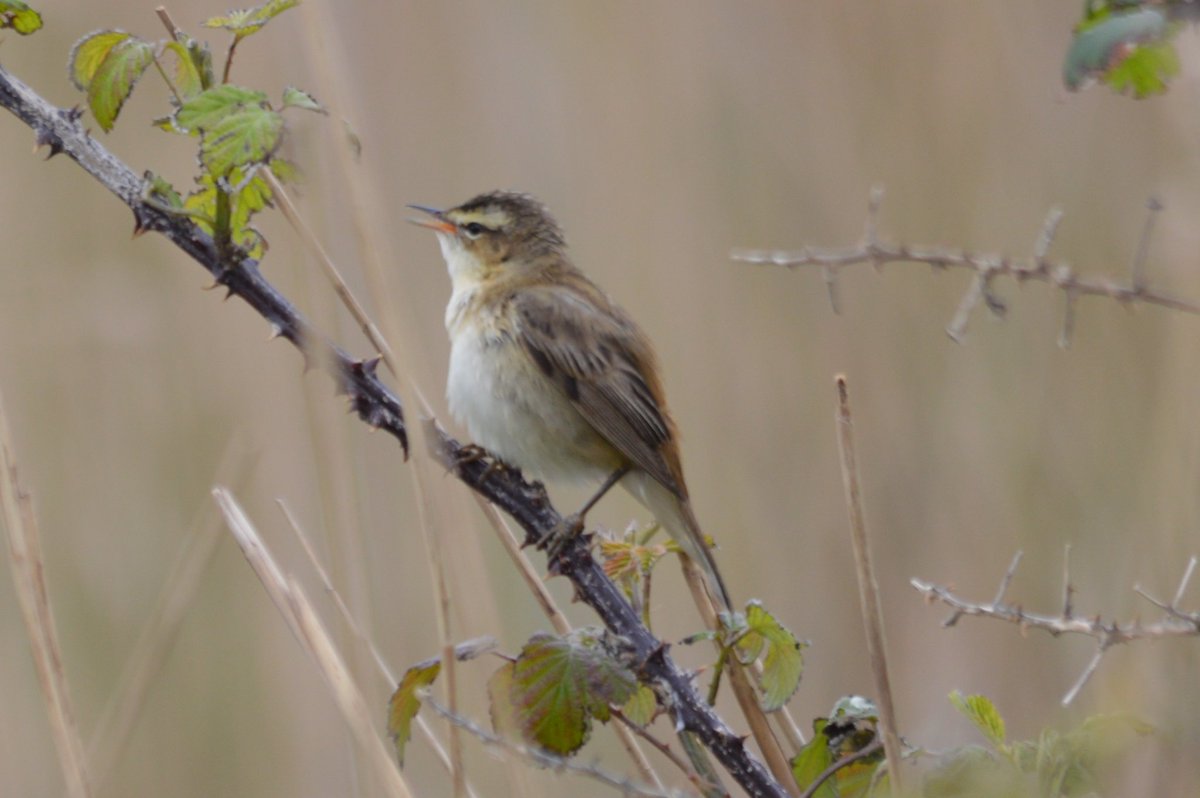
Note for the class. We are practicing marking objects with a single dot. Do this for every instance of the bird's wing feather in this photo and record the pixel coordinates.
(601, 361)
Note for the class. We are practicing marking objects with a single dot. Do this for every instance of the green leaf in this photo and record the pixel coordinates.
(188, 80)
(404, 703)
(982, 712)
(641, 706)
(237, 127)
(247, 196)
(783, 663)
(1145, 71)
(208, 108)
(89, 52)
(560, 684)
(246, 137)
(19, 16)
(114, 79)
(1128, 49)
(297, 98)
(812, 761)
(250, 20)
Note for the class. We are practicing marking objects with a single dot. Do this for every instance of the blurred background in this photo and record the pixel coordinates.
(663, 135)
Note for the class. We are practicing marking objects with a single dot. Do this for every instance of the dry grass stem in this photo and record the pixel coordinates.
(297, 611)
(435, 559)
(1176, 622)
(331, 271)
(871, 249)
(386, 673)
(29, 579)
(868, 586)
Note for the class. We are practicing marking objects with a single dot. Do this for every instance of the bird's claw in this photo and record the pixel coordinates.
(558, 538)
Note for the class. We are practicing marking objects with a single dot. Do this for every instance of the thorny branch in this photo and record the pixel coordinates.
(1175, 622)
(377, 405)
(879, 252)
(60, 130)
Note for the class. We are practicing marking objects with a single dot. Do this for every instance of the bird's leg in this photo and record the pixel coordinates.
(572, 525)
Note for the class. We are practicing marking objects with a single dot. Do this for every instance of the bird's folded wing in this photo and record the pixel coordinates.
(604, 365)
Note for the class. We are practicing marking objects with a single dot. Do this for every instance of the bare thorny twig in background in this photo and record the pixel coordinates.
(377, 405)
(871, 248)
(1175, 622)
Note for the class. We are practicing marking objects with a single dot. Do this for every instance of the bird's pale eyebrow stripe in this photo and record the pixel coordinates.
(492, 220)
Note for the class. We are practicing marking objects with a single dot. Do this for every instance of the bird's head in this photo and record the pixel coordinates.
(496, 234)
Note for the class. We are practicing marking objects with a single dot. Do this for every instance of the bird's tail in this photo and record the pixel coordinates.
(677, 518)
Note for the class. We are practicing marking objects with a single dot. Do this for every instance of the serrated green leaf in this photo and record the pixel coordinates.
(89, 52)
(1145, 70)
(244, 22)
(115, 77)
(187, 79)
(19, 16)
(560, 684)
(983, 713)
(1107, 39)
(237, 127)
(298, 98)
(783, 663)
(208, 108)
(812, 761)
(404, 703)
(249, 136)
(641, 706)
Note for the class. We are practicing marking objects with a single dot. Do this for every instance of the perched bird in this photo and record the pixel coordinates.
(549, 374)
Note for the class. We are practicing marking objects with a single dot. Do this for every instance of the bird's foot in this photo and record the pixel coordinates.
(555, 543)
(474, 453)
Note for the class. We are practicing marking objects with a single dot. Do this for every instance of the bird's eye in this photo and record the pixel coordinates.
(473, 229)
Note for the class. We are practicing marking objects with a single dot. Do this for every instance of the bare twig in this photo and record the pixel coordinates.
(874, 250)
(29, 579)
(868, 586)
(550, 761)
(1175, 623)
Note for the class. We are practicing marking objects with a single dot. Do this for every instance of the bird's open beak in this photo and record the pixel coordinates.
(437, 223)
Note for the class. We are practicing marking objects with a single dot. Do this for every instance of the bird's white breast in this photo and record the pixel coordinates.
(508, 404)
